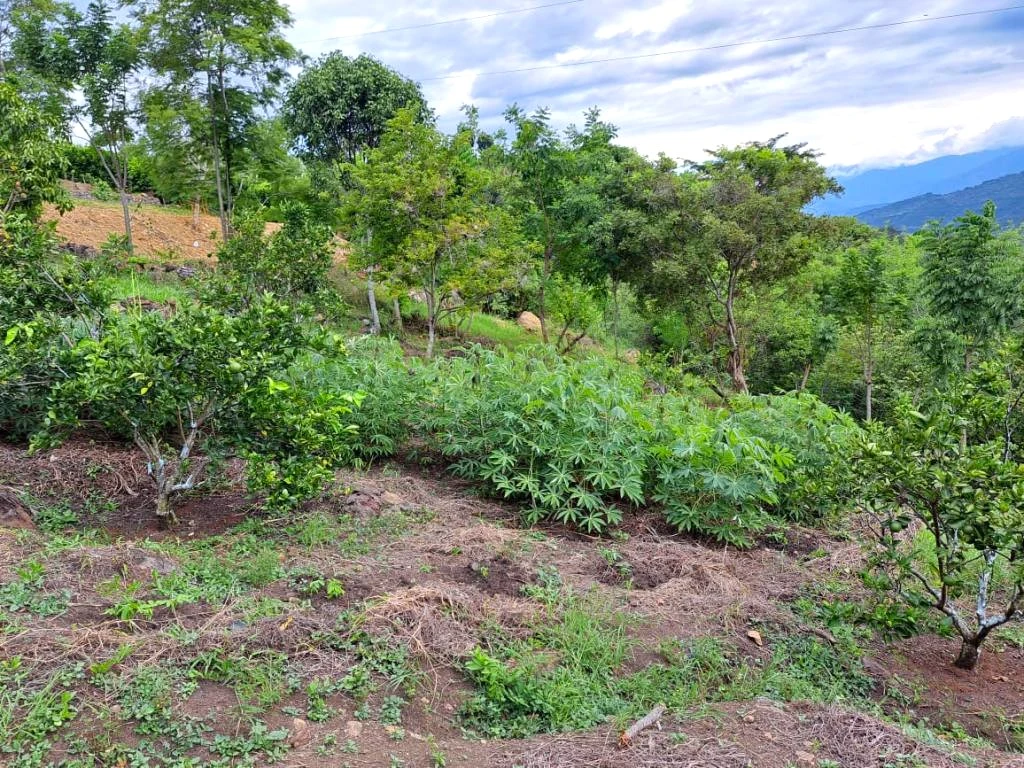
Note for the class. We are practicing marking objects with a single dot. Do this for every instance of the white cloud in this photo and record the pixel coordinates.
(870, 97)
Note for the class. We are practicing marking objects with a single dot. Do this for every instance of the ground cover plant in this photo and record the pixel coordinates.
(485, 447)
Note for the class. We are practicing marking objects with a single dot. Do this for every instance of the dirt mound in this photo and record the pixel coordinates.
(157, 232)
(762, 734)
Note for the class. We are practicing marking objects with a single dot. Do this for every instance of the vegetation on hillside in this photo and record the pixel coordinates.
(709, 357)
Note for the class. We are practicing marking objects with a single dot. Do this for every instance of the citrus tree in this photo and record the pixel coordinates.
(201, 378)
(948, 518)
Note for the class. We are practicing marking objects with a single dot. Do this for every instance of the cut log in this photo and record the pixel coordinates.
(645, 722)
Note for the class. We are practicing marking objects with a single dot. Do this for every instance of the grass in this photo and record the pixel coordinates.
(132, 285)
(570, 673)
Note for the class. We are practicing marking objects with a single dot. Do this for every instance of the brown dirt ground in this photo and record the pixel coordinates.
(158, 232)
(458, 570)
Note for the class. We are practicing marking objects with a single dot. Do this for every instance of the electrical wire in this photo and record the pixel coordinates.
(721, 46)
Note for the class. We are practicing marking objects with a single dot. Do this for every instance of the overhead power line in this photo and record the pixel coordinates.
(446, 21)
(721, 46)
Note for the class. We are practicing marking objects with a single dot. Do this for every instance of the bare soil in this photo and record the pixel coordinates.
(455, 564)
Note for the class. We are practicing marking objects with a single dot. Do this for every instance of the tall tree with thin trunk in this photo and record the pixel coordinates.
(743, 213)
(109, 60)
(229, 59)
(866, 290)
(544, 165)
(421, 215)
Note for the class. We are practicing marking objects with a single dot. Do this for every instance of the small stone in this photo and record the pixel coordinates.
(299, 732)
(805, 757)
(391, 499)
(353, 729)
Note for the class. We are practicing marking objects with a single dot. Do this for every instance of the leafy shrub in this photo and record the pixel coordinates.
(948, 514)
(560, 435)
(292, 263)
(713, 477)
(581, 441)
(172, 383)
(48, 301)
(820, 441)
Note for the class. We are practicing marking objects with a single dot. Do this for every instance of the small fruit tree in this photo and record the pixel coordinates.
(948, 519)
(202, 378)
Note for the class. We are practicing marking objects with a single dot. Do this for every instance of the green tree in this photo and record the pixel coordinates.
(32, 160)
(865, 292)
(176, 385)
(967, 503)
(339, 107)
(108, 59)
(225, 60)
(173, 153)
(420, 213)
(739, 221)
(971, 278)
(544, 165)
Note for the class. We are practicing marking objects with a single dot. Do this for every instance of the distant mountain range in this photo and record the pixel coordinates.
(907, 196)
(910, 215)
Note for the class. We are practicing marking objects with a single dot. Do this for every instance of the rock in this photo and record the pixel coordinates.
(150, 564)
(755, 638)
(529, 322)
(13, 512)
(391, 499)
(353, 729)
(631, 356)
(299, 733)
(805, 758)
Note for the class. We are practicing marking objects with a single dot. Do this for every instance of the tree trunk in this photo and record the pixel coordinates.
(372, 296)
(126, 210)
(541, 307)
(431, 324)
(869, 374)
(164, 512)
(396, 309)
(615, 316)
(807, 375)
(735, 363)
(215, 149)
(970, 653)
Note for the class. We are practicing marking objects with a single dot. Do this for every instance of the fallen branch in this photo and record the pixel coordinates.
(640, 725)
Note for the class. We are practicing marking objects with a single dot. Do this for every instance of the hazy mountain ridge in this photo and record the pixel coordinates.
(1007, 192)
(876, 188)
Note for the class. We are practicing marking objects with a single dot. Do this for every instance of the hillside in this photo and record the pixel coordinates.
(910, 215)
(159, 232)
(871, 189)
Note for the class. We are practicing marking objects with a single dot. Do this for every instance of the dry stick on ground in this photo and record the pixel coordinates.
(640, 725)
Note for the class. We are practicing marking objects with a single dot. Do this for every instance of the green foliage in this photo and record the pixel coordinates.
(582, 441)
(819, 440)
(48, 300)
(32, 159)
(445, 239)
(971, 276)
(967, 501)
(339, 107)
(292, 263)
(200, 373)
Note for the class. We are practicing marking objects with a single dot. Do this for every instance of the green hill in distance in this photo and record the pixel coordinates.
(913, 213)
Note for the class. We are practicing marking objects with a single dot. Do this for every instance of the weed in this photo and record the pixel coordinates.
(391, 710)
(26, 593)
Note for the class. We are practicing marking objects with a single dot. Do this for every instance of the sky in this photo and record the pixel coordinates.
(868, 98)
